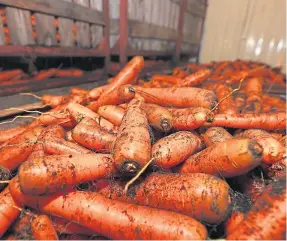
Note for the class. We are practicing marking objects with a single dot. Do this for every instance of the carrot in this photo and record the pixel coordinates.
(227, 159)
(125, 76)
(273, 151)
(209, 202)
(45, 175)
(69, 73)
(166, 78)
(266, 108)
(55, 101)
(277, 170)
(8, 134)
(79, 98)
(276, 102)
(43, 228)
(271, 121)
(95, 93)
(226, 105)
(215, 135)
(179, 72)
(88, 134)
(9, 74)
(112, 113)
(233, 222)
(267, 218)
(132, 146)
(175, 148)
(98, 213)
(19, 148)
(121, 95)
(45, 74)
(189, 118)
(178, 97)
(77, 91)
(159, 117)
(196, 78)
(221, 66)
(253, 90)
(79, 112)
(8, 213)
(69, 136)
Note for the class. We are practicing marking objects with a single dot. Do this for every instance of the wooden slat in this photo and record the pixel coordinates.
(97, 31)
(193, 8)
(46, 30)
(66, 31)
(59, 8)
(83, 29)
(2, 35)
(19, 25)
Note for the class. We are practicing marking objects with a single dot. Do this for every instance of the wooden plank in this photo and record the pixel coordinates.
(19, 25)
(59, 8)
(97, 31)
(2, 35)
(45, 29)
(66, 31)
(83, 29)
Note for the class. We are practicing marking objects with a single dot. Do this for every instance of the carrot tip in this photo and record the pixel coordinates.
(165, 125)
(4, 176)
(130, 167)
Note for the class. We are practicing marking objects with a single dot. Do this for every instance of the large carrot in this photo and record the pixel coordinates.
(112, 113)
(265, 121)
(175, 148)
(216, 134)
(121, 95)
(19, 148)
(228, 159)
(8, 210)
(125, 76)
(178, 97)
(49, 174)
(226, 105)
(158, 117)
(253, 90)
(273, 151)
(110, 217)
(8, 134)
(267, 218)
(190, 118)
(43, 228)
(88, 134)
(132, 147)
(45, 74)
(9, 74)
(196, 78)
(201, 196)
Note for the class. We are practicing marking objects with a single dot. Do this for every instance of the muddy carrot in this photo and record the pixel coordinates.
(196, 78)
(98, 213)
(43, 228)
(112, 113)
(253, 90)
(178, 97)
(227, 159)
(132, 146)
(226, 105)
(216, 134)
(267, 218)
(175, 148)
(88, 134)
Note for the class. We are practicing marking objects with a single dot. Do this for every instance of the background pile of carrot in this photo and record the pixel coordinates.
(183, 156)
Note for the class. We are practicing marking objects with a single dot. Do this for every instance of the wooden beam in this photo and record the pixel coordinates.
(123, 32)
(193, 8)
(107, 50)
(38, 51)
(59, 9)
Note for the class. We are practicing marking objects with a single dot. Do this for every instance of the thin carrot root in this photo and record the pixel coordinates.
(31, 94)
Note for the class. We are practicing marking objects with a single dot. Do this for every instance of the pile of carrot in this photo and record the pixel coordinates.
(182, 156)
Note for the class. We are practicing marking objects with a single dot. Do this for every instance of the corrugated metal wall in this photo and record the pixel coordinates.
(246, 29)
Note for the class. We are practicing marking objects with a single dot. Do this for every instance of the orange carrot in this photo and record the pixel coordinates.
(277, 170)
(49, 174)
(226, 105)
(19, 148)
(159, 117)
(216, 134)
(273, 151)
(69, 136)
(132, 146)
(267, 218)
(276, 102)
(227, 159)
(196, 78)
(43, 228)
(8, 212)
(69, 73)
(88, 134)
(201, 196)
(266, 108)
(78, 91)
(166, 78)
(270, 121)
(9, 74)
(55, 101)
(95, 93)
(178, 97)
(175, 148)
(112, 113)
(45, 74)
(8, 134)
(98, 213)
(179, 72)
(233, 222)
(121, 95)
(253, 90)
(189, 118)
(125, 76)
